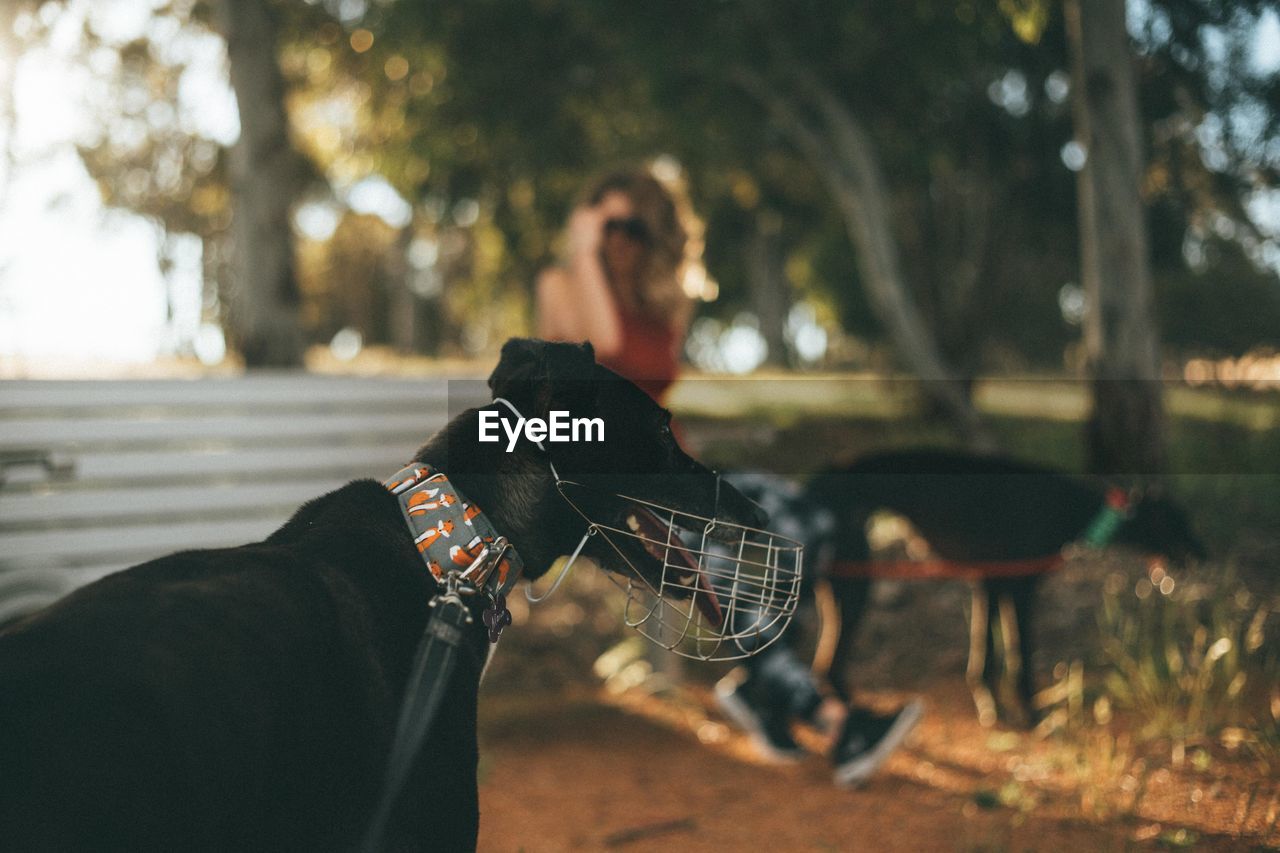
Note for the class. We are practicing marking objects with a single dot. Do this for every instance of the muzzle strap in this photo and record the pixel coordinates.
(573, 558)
(564, 571)
(520, 417)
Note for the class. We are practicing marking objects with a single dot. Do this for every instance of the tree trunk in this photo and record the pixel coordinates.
(770, 290)
(842, 153)
(264, 316)
(401, 299)
(1126, 429)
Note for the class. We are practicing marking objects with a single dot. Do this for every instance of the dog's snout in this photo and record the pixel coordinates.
(736, 507)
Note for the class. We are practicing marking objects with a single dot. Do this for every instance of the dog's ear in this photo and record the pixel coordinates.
(570, 361)
(537, 376)
(518, 367)
(572, 380)
(520, 357)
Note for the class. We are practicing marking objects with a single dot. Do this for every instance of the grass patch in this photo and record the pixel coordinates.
(1192, 663)
(1183, 681)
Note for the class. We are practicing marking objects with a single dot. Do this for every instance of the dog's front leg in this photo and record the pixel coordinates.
(981, 666)
(1022, 596)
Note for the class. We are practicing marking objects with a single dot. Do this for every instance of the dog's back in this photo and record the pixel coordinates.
(141, 688)
(979, 513)
(969, 507)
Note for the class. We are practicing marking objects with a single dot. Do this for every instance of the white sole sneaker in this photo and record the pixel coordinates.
(749, 721)
(859, 770)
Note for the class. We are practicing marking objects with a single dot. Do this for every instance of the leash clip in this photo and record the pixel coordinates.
(454, 589)
(496, 616)
(490, 557)
(476, 578)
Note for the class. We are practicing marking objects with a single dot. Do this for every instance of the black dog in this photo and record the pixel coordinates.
(996, 512)
(244, 698)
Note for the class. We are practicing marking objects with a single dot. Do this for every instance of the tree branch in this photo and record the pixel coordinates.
(844, 157)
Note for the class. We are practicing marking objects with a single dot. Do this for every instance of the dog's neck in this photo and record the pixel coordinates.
(515, 490)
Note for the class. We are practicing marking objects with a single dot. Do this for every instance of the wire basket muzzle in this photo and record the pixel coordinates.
(704, 588)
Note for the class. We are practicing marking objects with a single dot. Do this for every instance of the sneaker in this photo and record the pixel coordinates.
(770, 731)
(869, 739)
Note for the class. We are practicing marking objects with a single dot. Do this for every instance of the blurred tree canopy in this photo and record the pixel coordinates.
(966, 104)
(487, 117)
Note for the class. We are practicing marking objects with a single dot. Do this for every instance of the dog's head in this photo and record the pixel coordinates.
(614, 472)
(1158, 526)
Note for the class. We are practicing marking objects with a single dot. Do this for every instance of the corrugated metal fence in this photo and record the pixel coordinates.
(99, 475)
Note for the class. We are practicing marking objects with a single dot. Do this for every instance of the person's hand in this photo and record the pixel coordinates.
(586, 232)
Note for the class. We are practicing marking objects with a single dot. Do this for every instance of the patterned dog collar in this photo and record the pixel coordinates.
(451, 534)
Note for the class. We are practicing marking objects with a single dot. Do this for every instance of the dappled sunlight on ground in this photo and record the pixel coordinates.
(592, 771)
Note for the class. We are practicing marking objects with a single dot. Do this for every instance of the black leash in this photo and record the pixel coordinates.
(434, 511)
(433, 665)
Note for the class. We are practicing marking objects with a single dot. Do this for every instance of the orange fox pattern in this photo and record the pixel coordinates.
(465, 555)
(407, 478)
(433, 513)
(429, 537)
(421, 503)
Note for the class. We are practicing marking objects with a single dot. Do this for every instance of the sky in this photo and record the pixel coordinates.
(77, 280)
(81, 282)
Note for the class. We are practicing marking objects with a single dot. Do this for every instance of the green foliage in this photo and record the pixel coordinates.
(530, 98)
(1186, 656)
(1226, 306)
(1183, 681)
(512, 104)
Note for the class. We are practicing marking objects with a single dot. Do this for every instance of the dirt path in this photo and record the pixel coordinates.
(596, 773)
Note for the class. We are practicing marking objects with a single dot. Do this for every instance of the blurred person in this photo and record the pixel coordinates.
(620, 283)
(775, 688)
(619, 286)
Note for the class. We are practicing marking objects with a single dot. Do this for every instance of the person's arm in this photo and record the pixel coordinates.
(551, 305)
(680, 328)
(577, 303)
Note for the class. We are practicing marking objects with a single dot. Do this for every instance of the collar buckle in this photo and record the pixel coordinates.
(477, 574)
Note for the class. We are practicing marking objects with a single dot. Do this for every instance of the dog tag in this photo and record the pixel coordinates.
(496, 616)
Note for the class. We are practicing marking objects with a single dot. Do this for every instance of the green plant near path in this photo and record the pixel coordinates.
(1189, 665)
(1191, 661)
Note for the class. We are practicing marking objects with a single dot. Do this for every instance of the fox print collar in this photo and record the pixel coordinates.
(451, 534)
